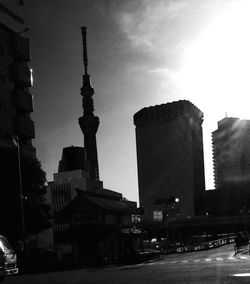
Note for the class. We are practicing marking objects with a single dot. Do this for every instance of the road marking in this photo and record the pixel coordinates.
(243, 257)
(199, 260)
(242, 275)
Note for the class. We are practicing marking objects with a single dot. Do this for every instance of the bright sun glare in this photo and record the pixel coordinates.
(215, 71)
(216, 68)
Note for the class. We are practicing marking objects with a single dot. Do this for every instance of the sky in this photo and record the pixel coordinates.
(141, 53)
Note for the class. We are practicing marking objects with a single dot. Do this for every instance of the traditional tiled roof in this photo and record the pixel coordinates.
(116, 205)
(104, 203)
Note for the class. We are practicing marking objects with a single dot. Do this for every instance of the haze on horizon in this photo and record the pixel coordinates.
(141, 53)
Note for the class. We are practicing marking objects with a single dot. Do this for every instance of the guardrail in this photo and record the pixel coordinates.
(241, 248)
(205, 245)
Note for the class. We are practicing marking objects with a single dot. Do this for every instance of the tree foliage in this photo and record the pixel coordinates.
(36, 208)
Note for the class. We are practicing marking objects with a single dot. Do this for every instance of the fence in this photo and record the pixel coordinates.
(205, 245)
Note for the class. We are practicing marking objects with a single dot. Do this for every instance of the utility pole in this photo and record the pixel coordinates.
(17, 144)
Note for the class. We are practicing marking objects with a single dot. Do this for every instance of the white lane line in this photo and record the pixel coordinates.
(163, 262)
(151, 263)
(231, 258)
(208, 259)
(197, 260)
(184, 261)
(243, 257)
(219, 258)
(173, 262)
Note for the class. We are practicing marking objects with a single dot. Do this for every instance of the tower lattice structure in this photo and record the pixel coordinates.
(89, 123)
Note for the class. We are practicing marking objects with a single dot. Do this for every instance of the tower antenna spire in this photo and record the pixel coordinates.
(89, 123)
(85, 54)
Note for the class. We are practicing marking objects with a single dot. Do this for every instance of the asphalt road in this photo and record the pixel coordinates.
(212, 266)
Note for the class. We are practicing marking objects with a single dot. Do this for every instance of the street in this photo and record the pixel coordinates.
(212, 266)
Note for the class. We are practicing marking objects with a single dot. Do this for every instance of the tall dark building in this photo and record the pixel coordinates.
(16, 102)
(231, 153)
(89, 122)
(170, 157)
(16, 125)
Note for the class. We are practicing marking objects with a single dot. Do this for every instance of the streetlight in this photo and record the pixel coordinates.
(17, 144)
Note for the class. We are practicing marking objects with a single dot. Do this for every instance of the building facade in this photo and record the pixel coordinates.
(75, 198)
(16, 125)
(170, 158)
(231, 153)
(16, 102)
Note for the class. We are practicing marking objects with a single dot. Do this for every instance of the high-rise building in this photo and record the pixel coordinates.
(170, 157)
(231, 153)
(16, 102)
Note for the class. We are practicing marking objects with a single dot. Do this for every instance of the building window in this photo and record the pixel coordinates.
(135, 218)
(118, 219)
(2, 79)
(157, 216)
(3, 105)
(2, 133)
(1, 51)
(109, 219)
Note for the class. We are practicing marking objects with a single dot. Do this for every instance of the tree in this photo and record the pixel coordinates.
(36, 208)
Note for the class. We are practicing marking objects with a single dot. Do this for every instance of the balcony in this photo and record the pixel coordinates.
(23, 101)
(21, 75)
(21, 48)
(24, 127)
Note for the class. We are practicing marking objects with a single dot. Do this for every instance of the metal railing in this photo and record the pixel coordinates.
(205, 245)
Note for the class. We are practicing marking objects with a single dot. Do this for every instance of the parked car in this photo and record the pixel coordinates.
(8, 258)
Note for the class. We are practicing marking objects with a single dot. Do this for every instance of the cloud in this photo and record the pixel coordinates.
(164, 28)
(153, 23)
(165, 72)
(143, 25)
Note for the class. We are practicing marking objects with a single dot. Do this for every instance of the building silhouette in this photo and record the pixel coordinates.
(16, 126)
(16, 102)
(170, 157)
(170, 165)
(231, 153)
(231, 157)
(89, 123)
(87, 218)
